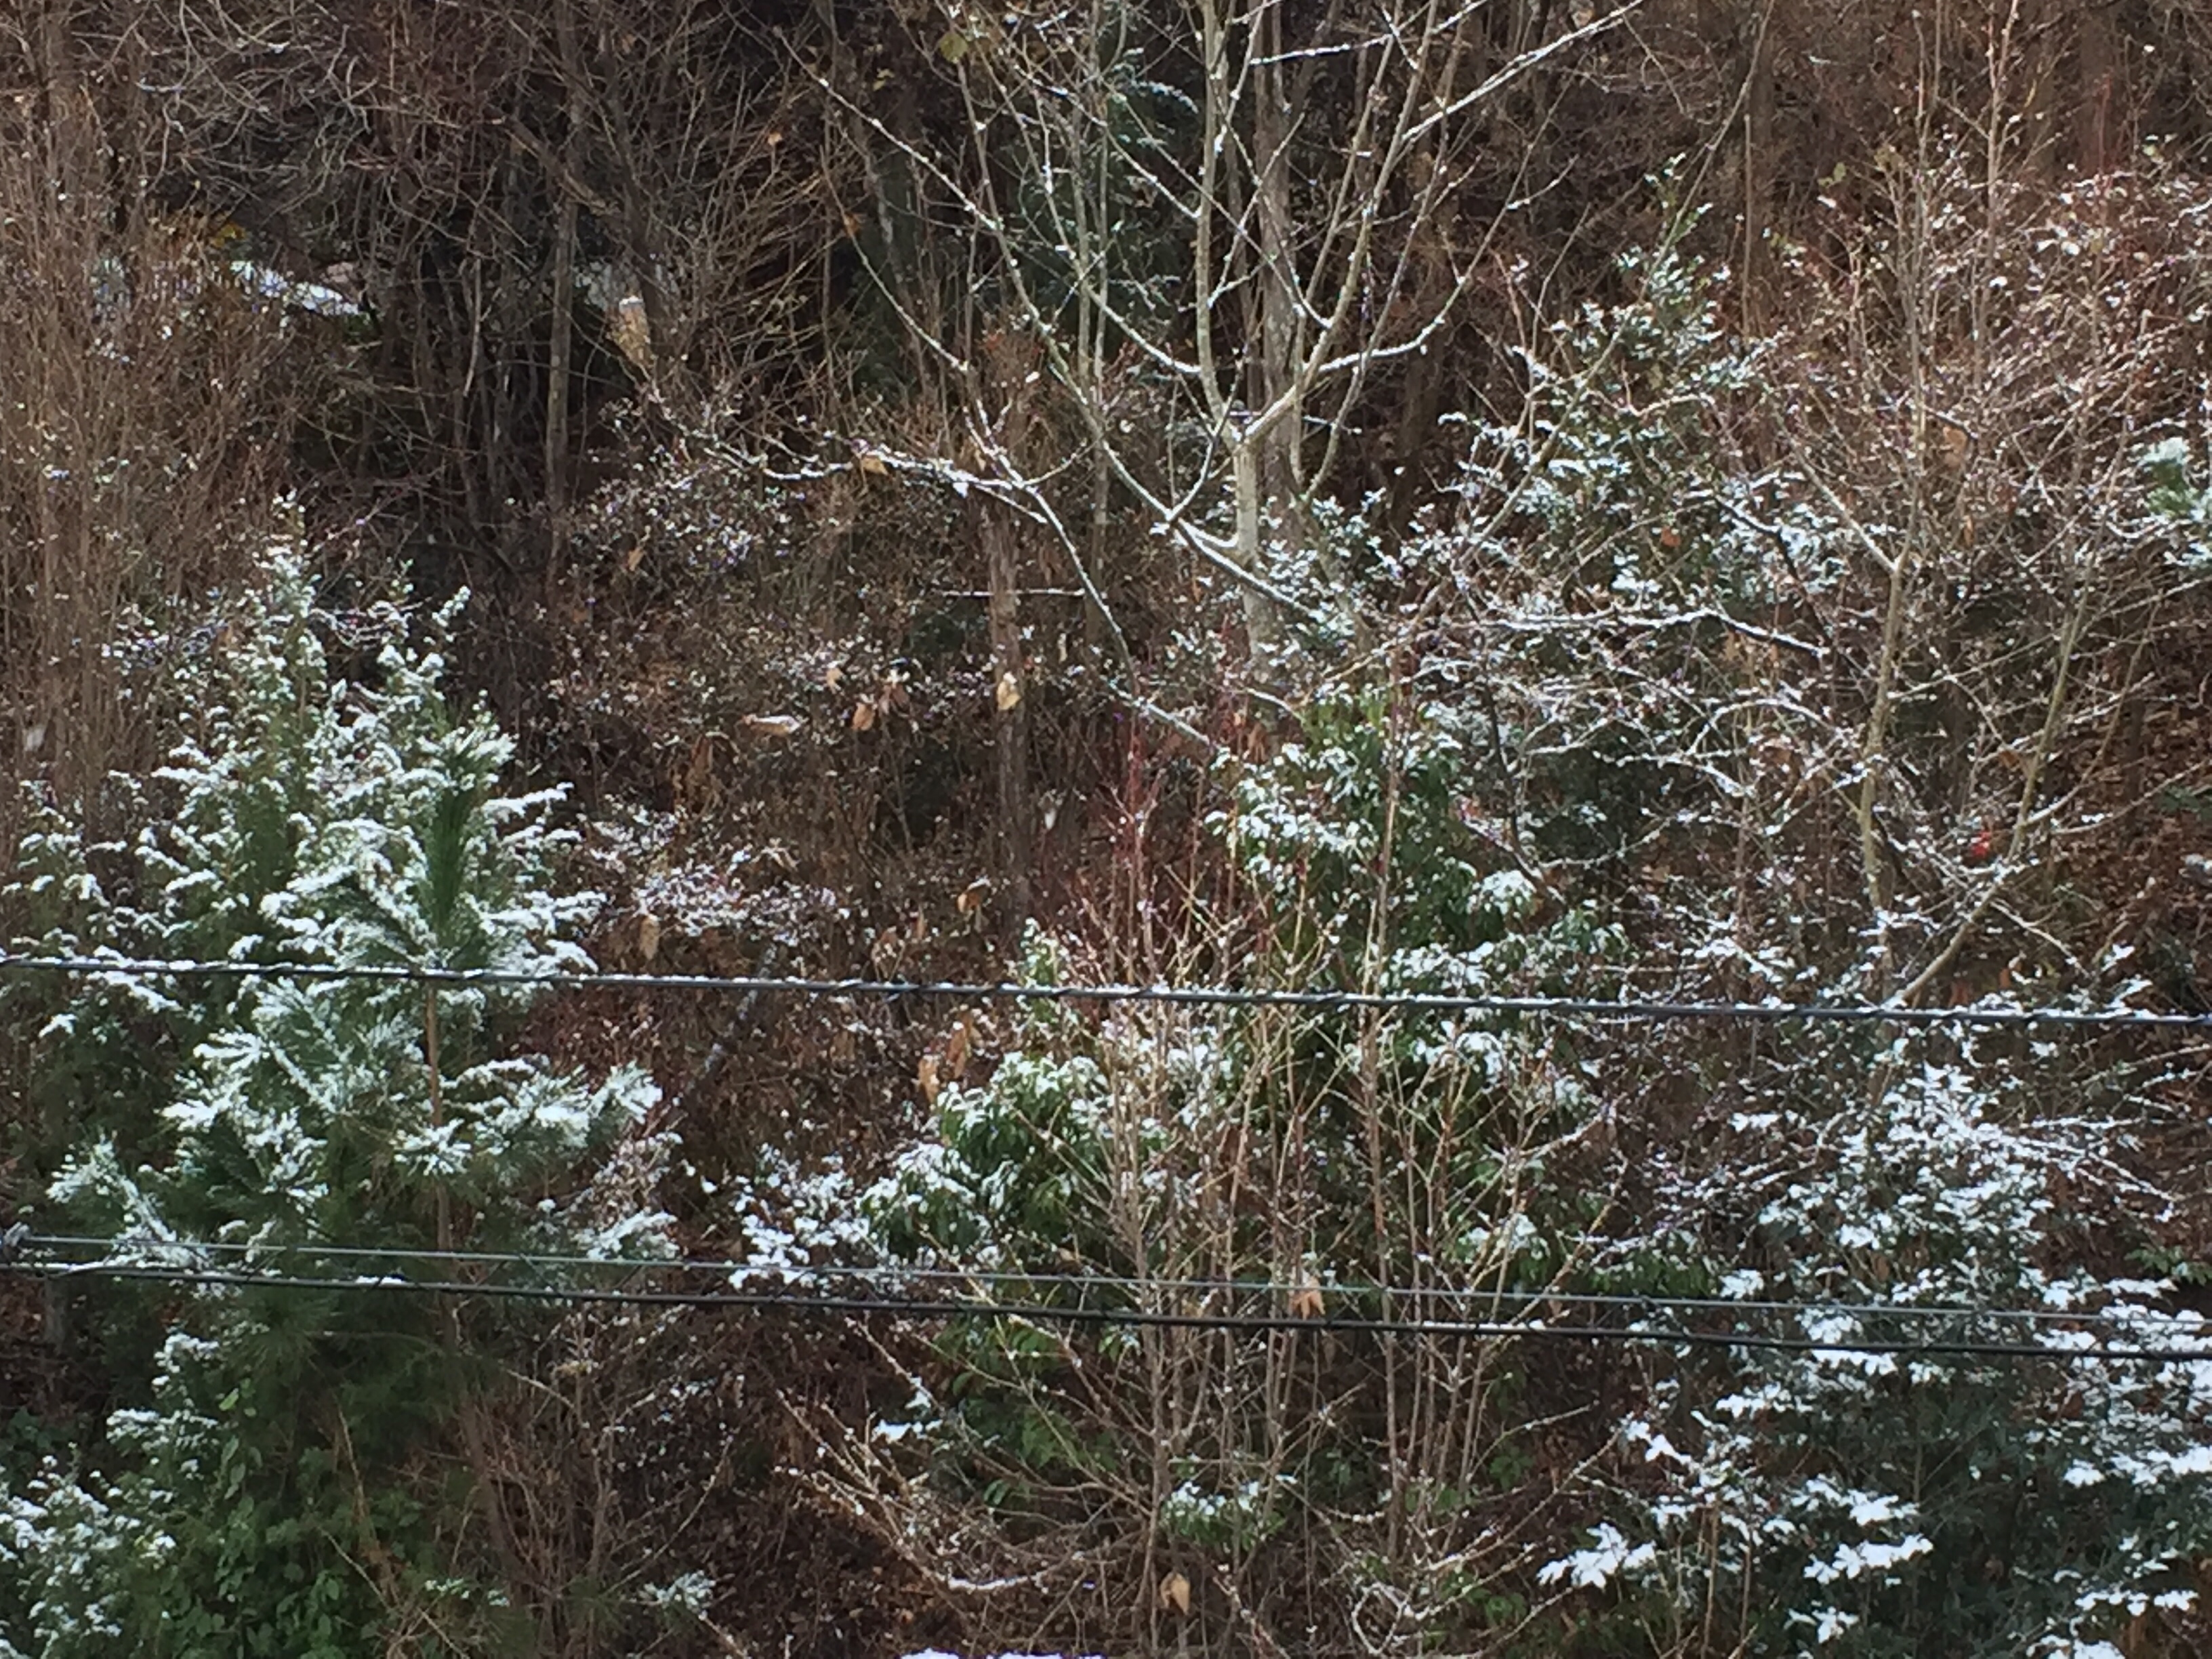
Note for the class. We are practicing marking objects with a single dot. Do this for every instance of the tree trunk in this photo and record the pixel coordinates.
(1278, 482)
(1011, 736)
(1757, 165)
(999, 531)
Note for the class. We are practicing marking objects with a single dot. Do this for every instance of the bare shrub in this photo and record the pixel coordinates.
(145, 403)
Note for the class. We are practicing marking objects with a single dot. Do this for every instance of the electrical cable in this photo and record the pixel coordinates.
(1225, 996)
(1137, 1318)
(895, 1273)
(1185, 995)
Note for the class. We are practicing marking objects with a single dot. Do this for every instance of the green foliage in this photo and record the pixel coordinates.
(1622, 540)
(222, 1525)
(1624, 468)
(2175, 497)
(1416, 1149)
(271, 1495)
(1369, 803)
(1012, 1173)
(1628, 688)
(1217, 1510)
(1014, 1168)
(1876, 1506)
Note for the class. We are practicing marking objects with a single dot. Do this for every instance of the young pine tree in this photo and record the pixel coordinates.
(285, 1481)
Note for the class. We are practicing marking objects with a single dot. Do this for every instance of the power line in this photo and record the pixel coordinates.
(897, 1273)
(1139, 1318)
(1222, 996)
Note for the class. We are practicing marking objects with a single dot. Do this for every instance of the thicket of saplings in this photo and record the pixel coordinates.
(1643, 504)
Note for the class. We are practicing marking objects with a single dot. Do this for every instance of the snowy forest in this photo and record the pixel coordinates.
(1614, 593)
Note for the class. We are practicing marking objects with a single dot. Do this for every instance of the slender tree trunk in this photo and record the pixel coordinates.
(1758, 163)
(1279, 484)
(999, 531)
(2099, 116)
(1012, 735)
(564, 288)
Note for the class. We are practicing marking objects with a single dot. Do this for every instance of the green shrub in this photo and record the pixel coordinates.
(276, 1491)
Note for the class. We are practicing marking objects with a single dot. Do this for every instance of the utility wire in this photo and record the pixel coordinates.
(1220, 996)
(115, 1250)
(1043, 1313)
